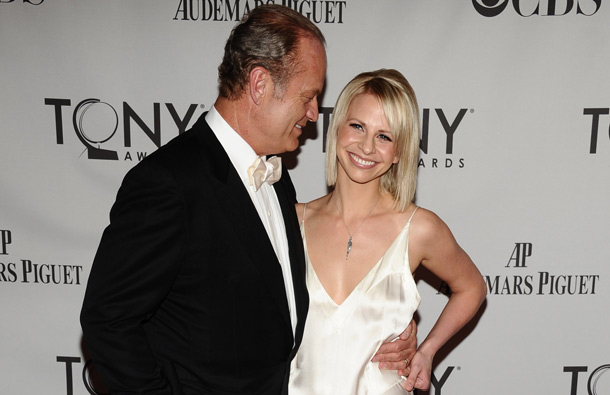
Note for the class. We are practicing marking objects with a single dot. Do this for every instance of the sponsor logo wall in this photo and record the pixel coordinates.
(514, 156)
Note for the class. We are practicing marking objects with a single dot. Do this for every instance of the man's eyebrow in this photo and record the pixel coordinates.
(314, 92)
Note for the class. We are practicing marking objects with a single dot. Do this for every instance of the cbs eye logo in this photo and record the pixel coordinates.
(39, 2)
(492, 8)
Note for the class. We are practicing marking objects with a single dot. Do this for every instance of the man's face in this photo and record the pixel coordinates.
(287, 112)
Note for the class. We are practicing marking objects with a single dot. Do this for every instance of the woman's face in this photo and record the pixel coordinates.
(365, 144)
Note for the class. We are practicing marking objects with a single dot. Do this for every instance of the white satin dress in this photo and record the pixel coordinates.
(340, 340)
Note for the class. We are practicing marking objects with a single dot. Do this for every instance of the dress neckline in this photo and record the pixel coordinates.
(368, 273)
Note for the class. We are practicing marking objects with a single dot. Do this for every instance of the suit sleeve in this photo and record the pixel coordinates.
(138, 258)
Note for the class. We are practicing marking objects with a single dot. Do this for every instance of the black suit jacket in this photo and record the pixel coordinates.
(186, 295)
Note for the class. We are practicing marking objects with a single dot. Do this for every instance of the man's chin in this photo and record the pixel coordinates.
(293, 146)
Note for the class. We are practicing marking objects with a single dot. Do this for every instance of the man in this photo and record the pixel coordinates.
(198, 283)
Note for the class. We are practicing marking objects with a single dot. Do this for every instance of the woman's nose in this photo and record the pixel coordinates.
(367, 145)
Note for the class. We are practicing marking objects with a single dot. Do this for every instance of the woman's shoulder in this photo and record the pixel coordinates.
(421, 213)
(430, 233)
(426, 223)
(309, 208)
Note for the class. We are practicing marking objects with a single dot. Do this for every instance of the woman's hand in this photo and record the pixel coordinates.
(419, 375)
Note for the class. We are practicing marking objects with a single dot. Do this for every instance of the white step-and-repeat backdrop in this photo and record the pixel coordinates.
(515, 157)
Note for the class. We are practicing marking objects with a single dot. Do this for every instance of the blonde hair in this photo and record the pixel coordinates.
(399, 104)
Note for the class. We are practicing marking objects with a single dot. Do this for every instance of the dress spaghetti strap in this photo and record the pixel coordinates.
(408, 222)
(303, 217)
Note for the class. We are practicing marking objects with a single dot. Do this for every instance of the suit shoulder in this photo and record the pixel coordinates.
(183, 152)
(176, 148)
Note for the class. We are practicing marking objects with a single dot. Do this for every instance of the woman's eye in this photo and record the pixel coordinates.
(385, 137)
(356, 126)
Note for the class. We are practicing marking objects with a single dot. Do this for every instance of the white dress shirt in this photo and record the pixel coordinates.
(265, 200)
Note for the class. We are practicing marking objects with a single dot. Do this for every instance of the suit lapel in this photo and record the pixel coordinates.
(287, 198)
(250, 232)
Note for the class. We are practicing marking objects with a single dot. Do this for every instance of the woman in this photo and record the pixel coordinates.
(363, 242)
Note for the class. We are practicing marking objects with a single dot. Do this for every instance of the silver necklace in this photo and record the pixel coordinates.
(349, 241)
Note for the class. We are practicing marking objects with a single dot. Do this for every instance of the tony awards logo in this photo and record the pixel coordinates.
(595, 114)
(596, 384)
(96, 125)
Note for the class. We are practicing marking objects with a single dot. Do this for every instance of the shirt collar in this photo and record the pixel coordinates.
(240, 153)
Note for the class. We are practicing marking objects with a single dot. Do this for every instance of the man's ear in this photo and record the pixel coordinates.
(259, 84)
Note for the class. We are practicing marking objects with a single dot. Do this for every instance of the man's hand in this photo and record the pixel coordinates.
(397, 354)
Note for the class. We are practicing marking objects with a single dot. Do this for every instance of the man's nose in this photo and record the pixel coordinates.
(312, 112)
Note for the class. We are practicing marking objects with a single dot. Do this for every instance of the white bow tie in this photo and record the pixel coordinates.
(262, 170)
